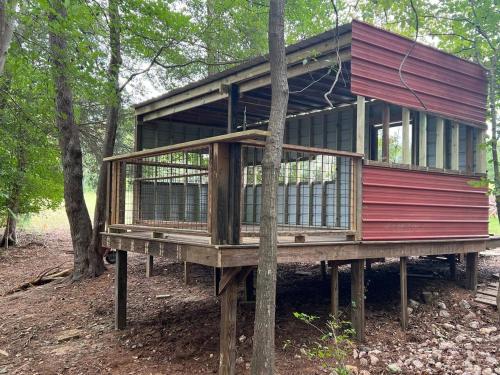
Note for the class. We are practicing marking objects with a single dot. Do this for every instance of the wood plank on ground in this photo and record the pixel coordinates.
(487, 294)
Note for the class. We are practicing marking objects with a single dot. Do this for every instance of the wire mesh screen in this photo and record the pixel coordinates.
(314, 192)
(168, 190)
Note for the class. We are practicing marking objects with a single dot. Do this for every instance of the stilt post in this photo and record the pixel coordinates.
(403, 277)
(335, 290)
(229, 300)
(358, 297)
(452, 261)
(471, 271)
(121, 290)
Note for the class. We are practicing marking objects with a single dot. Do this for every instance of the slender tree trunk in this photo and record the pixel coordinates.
(69, 142)
(210, 42)
(96, 264)
(263, 341)
(492, 86)
(7, 7)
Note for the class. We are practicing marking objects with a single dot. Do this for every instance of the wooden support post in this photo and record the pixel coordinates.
(218, 193)
(403, 277)
(471, 271)
(323, 269)
(455, 142)
(452, 261)
(358, 297)
(121, 290)
(481, 151)
(249, 287)
(360, 125)
(386, 118)
(469, 149)
(335, 290)
(234, 194)
(228, 328)
(439, 143)
(406, 136)
(149, 266)
(422, 136)
(187, 273)
(217, 276)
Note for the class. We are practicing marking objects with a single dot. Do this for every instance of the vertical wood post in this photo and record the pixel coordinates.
(406, 136)
(358, 297)
(358, 198)
(471, 271)
(403, 277)
(422, 136)
(386, 118)
(481, 152)
(218, 193)
(360, 125)
(323, 269)
(121, 290)
(452, 261)
(149, 266)
(455, 142)
(250, 287)
(227, 360)
(187, 273)
(469, 149)
(439, 143)
(335, 289)
(217, 276)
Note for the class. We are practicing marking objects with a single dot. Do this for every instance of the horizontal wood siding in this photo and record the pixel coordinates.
(401, 204)
(448, 86)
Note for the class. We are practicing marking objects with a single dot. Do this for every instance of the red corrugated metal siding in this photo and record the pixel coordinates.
(448, 86)
(401, 204)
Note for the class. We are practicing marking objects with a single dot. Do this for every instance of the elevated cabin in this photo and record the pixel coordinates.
(389, 168)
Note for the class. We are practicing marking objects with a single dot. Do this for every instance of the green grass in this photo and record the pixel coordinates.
(494, 225)
(49, 220)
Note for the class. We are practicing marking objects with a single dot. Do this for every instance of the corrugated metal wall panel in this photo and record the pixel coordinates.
(449, 86)
(401, 204)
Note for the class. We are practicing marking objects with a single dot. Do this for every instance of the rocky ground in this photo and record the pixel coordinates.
(61, 328)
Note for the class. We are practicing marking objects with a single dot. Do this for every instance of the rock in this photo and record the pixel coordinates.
(464, 304)
(242, 338)
(446, 345)
(373, 360)
(460, 338)
(497, 370)
(474, 324)
(487, 330)
(470, 316)
(468, 346)
(355, 354)
(413, 304)
(427, 297)
(487, 371)
(410, 310)
(417, 364)
(441, 306)
(364, 372)
(4, 353)
(448, 326)
(247, 365)
(70, 334)
(393, 368)
(352, 369)
(363, 362)
(491, 361)
(239, 360)
(444, 314)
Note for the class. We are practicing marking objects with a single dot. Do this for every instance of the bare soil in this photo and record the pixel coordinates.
(63, 328)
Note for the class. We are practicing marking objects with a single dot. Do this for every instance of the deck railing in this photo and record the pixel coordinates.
(212, 187)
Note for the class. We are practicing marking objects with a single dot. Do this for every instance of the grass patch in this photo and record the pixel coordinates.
(494, 225)
(49, 220)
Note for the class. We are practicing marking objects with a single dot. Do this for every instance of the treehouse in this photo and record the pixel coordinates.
(381, 159)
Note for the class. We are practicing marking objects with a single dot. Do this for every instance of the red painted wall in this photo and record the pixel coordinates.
(448, 86)
(403, 204)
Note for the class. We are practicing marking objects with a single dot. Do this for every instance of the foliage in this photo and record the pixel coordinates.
(332, 346)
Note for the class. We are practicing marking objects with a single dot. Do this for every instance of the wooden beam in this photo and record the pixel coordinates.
(229, 305)
(191, 145)
(360, 125)
(121, 290)
(455, 145)
(403, 283)
(386, 118)
(323, 269)
(440, 142)
(232, 108)
(406, 136)
(358, 298)
(334, 290)
(452, 261)
(234, 188)
(187, 273)
(218, 192)
(422, 136)
(471, 271)
(469, 149)
(149, 266)
(481, 151)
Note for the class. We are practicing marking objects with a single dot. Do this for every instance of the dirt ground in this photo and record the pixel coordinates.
(61, 328)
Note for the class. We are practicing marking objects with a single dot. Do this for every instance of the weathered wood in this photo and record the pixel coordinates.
(334, 290)
(406, 151)
(439, 142)
(360, 125)
(232, 107)
(357, 194)
(471, 271)
(469, 149)
(216, 279)
(121, 290)
(234, 194)
(481, 151)
(149, 266)
(452, 261)
(455, 142)
(229, 304)
(422, 139)
(403, 286)
(218, 191)
(250, 287)
(358, 298)
(187, 273)
(323, 269)
(386, 118)
(191, 145)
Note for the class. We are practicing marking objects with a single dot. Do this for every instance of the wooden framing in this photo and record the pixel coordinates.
(121, 290)
(406, 136)
(403, 277)
(440, 142)
(386, 118)
(334, 291)
(455, 142)
(471, 270)
(358, 298)
(360, 125)
(480, 151)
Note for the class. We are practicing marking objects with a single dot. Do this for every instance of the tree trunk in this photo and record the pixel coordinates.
(69, 142)
(7, 7)
(263, 340)
(492, 86)
(96, 264)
